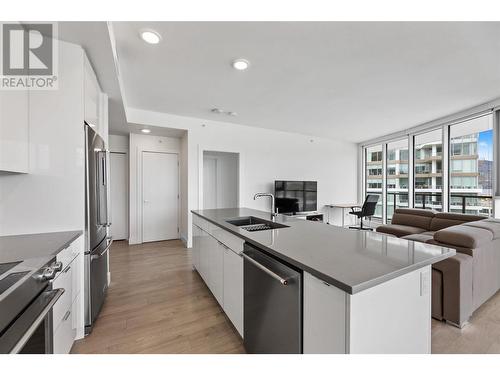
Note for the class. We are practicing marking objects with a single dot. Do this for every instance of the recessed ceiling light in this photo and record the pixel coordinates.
(146, 130)
(150, 36)
(217, 110)
(231, 114)
(241, 64)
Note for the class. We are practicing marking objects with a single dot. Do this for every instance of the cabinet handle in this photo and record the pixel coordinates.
(67, 269)
(66, 316)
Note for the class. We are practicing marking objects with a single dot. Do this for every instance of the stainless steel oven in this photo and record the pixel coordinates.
(26, 302)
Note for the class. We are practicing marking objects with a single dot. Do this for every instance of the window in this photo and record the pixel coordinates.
(397, 176)
(374, 174)
(471, 166)
(462, 180)
(428, 187)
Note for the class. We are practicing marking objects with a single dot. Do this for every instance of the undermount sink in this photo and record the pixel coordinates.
(254, 224)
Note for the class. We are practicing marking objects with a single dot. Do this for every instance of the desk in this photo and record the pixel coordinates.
(342, 206)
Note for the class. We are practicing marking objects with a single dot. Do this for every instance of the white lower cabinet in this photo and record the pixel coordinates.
(217, 270)
(392, 317)
(324, 317)
(65, 334)
(221, 268)
(66, 313)
(195, 252)
(233, 288)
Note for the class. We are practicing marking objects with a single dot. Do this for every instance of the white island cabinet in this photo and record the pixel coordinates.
(392, 317)
(216, 257)
(361, 292)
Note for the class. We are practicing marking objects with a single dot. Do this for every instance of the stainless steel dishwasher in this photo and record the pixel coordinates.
(272, 304)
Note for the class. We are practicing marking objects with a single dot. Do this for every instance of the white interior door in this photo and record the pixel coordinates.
(160, 193)
(119, 195)
(209, 182)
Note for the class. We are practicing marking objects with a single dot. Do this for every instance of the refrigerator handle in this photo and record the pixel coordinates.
(107, 184)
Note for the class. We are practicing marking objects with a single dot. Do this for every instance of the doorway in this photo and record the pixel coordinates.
(220, 179)
(160, 196)
(119, 195)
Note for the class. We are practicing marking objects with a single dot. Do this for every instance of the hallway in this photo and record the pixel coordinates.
(157, 304)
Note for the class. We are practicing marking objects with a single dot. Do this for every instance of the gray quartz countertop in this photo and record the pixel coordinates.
(348, 259)
(28, 246)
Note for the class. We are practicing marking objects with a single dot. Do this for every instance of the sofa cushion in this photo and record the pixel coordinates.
(443, 220)
(399, 230)
(421, 237)
(493, 225)
(413, 218)
(463, 236)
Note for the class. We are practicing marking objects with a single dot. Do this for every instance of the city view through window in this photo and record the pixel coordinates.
(470, 171)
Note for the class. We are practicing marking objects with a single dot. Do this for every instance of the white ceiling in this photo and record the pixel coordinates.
(345, 80)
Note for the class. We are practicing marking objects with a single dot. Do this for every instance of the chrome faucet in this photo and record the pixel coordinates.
(273, 213)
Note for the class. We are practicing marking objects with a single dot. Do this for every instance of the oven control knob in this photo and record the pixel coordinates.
(48, 274)
(57, 266)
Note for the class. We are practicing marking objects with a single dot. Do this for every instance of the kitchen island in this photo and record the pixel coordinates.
(361, 292)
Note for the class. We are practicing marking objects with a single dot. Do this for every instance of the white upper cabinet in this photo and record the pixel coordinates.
(14, 131)
(94, 100)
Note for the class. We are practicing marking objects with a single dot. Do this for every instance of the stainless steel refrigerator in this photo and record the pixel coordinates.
(97, 223)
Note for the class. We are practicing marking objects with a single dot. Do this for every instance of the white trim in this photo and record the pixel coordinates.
(496, 161)
(384, 183)
(445, 199)
(140, 191)
(411, 171)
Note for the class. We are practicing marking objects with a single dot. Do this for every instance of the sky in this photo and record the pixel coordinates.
(485, 145)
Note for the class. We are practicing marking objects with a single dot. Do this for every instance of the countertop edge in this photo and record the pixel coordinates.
(77, 234)
(346, 288)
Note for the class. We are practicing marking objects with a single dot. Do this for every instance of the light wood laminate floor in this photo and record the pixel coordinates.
(157, 304)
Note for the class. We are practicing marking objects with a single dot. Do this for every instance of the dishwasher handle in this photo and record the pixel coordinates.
(274, 275)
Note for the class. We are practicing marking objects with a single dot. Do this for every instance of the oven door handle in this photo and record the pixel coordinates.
(55, 294)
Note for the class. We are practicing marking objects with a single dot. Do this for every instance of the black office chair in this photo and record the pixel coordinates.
(368, 210)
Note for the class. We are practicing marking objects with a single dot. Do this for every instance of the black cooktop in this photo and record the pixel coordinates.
(10, 280)
(4, 267)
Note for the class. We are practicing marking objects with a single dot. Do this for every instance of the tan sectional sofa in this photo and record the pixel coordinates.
(462, 283)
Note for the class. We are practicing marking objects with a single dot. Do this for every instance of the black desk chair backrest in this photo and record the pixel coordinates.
(370, 205)
(368, 210)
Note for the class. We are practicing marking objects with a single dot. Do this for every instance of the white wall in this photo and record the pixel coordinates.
(265, 155)
(118, 143)
(227, 177)
(51, 196)
(138, 144)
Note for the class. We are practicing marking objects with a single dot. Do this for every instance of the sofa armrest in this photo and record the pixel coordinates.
(463, 236)
(457, 288)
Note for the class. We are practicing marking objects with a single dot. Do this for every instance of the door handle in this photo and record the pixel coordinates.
(97, 256)
(274, 275)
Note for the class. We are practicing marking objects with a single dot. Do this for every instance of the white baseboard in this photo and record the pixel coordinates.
(184, 239)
